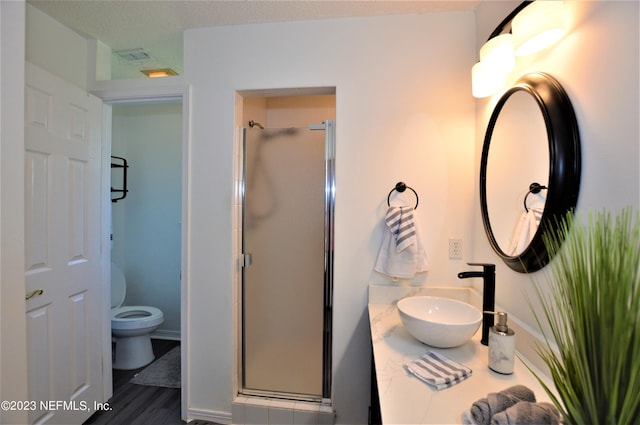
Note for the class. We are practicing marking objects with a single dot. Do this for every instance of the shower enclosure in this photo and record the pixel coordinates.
(288, 255)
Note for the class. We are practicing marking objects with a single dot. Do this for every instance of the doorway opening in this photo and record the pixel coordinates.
(146, 224)
(146, 229)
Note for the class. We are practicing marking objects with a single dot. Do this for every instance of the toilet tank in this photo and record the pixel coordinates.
(118, 286)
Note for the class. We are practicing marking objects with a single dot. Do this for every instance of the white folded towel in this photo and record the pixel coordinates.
(404, 263)
(438, 371)
(525, 231)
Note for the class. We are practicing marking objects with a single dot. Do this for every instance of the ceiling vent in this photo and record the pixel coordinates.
(133, 55)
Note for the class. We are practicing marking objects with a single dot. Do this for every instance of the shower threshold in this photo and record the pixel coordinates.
(273, 409)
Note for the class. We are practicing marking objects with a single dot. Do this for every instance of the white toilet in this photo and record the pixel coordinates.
(131, 326)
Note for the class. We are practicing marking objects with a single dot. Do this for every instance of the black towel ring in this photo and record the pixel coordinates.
(533, 188)
(401, 187)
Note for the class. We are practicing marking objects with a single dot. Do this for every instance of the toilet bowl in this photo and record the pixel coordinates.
(131, 326)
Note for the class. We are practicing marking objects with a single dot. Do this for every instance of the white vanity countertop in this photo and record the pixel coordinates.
(405, 399)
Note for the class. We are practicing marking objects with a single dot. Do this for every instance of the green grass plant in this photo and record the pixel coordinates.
(592, 308)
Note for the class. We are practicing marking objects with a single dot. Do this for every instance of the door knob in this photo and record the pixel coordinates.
(33, 294)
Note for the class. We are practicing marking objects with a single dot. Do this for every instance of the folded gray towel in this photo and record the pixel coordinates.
(483, 410)
(526, 413)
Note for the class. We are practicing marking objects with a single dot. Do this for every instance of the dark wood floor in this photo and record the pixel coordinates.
(133, 404)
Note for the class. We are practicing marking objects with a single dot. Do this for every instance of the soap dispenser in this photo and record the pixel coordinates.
(502, 345)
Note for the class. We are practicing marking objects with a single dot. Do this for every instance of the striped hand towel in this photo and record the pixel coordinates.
(438, 371)
(401, 223)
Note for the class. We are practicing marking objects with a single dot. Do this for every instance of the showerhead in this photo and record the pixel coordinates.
(252, 123)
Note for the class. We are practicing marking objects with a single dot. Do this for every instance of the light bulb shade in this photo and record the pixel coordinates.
(496, 62)
(499, 52)
(537, 26)
(485, 81)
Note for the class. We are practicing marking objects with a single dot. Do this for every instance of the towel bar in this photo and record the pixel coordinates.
(401, 187)
(124, 189)
(533, 188)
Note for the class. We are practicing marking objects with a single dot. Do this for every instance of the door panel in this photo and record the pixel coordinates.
(38, 360)
(77, 211)
(79, 353)
(64, 340)
(36, 207)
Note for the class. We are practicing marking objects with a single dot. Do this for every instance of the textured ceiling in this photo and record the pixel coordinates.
(157, 25)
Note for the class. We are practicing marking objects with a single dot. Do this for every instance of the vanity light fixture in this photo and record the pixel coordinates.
(157, 73)
(538, 26)
(496, 61)
(534, 25)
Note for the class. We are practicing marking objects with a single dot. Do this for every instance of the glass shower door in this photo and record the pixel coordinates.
(284, 234)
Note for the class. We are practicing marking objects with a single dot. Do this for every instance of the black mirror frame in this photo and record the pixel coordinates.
(564, 165)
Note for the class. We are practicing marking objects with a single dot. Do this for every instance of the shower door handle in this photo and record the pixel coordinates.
(247, 260)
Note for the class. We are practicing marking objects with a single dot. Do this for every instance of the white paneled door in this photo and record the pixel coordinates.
(63, 271)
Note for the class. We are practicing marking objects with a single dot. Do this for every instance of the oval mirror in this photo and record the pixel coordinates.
(530, 169)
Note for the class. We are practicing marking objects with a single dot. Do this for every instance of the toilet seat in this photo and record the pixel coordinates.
(135, 317)
(131, 326)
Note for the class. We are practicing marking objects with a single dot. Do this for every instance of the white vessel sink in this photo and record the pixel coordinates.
(439, 322)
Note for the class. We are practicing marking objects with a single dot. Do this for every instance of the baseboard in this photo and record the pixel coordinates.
(164, 334)
(209, 416)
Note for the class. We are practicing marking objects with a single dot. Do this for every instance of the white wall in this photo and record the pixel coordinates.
(54, 47)
(404, 112)
(146, 224)
(597, 63)
(13, 341)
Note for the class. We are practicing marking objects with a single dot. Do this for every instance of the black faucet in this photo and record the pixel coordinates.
(488, 275)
